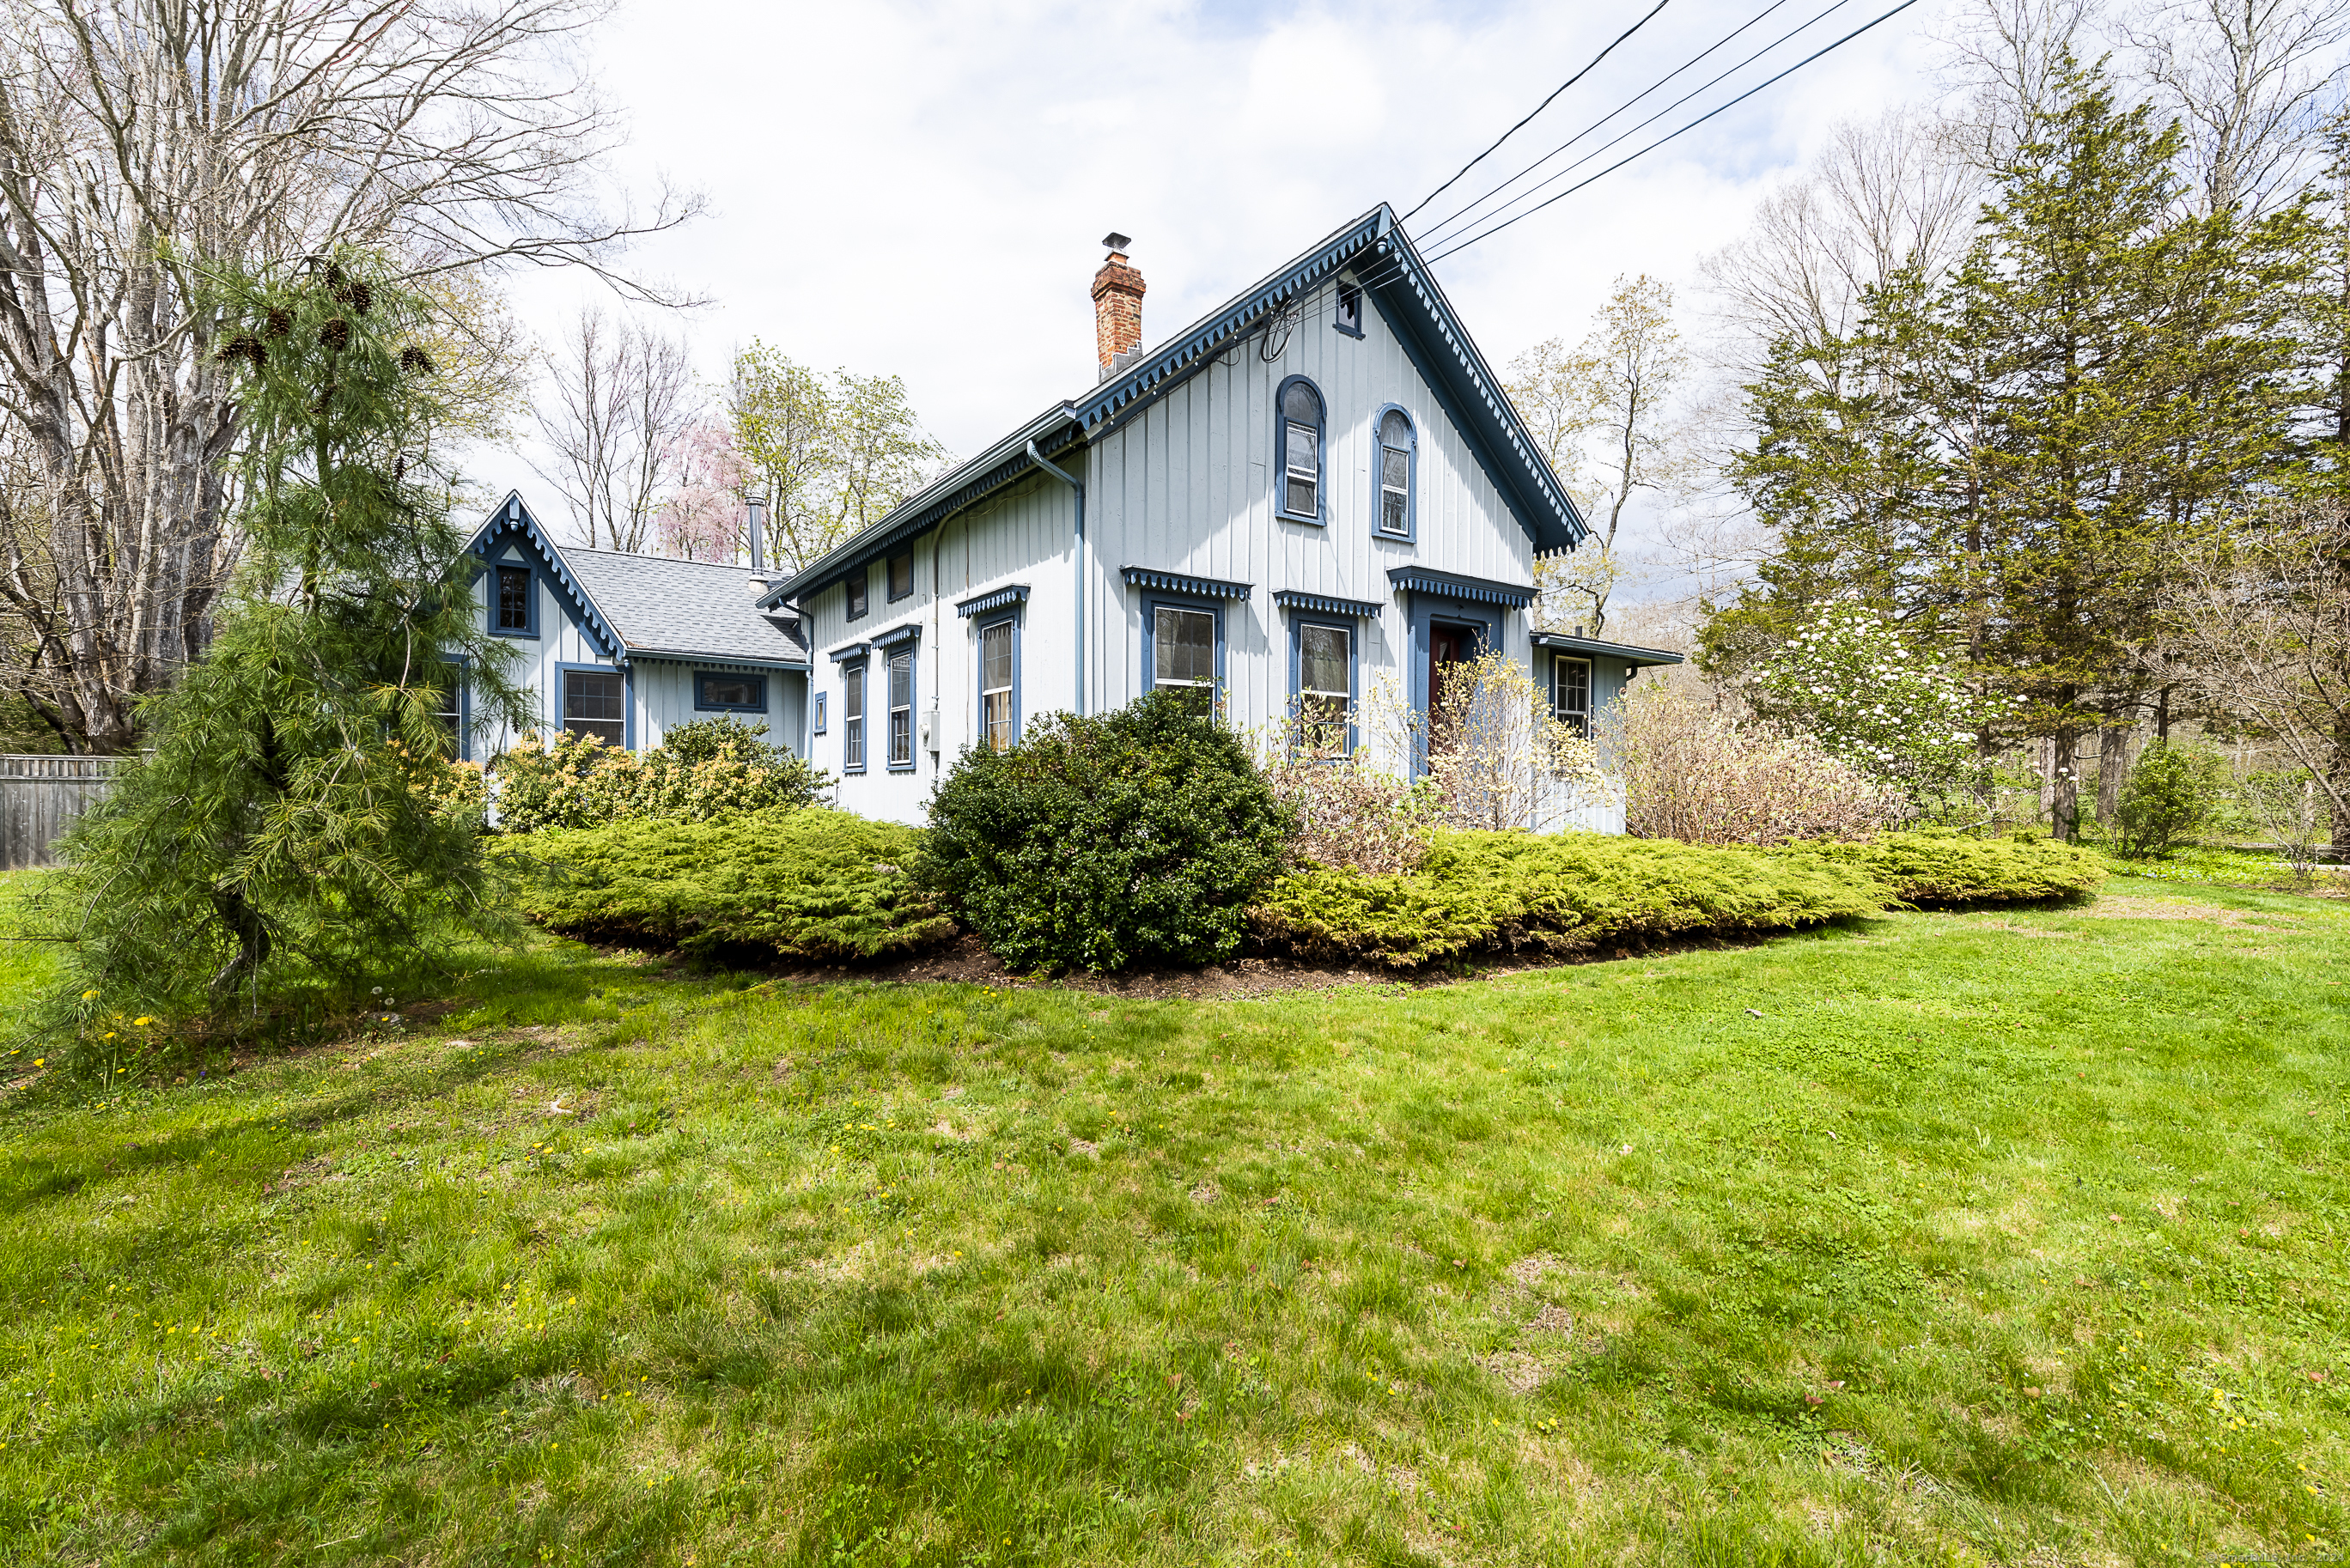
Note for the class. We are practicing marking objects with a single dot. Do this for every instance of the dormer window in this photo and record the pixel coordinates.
(1395, 474)
(1349, 318)
(514, 600)
(1301, 451)
(901, 575)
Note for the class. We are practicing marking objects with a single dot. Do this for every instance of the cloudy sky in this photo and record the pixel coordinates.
(921, 190)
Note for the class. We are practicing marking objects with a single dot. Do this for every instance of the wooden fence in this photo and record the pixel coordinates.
(38, 797)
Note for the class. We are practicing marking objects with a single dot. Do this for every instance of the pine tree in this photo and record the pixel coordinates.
(284, 832)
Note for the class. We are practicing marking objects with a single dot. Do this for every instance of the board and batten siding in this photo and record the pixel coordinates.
(662, 691)
(1188, 485)
(538, 660)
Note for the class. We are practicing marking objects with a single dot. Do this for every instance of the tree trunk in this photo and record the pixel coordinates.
(2065, 792)
(2113, 762)
(2341, 792)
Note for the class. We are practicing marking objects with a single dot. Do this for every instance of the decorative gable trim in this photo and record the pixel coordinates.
(1015, 595)
(513, 520)
(1324, 604)
(1453, 586)
(1176, 583)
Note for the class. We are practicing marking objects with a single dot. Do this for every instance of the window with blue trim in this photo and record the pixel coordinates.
(1183, 650)
(902, 708)
(1349, 318)
(901, 575)
(1396, 441)
(822, 703)
(1325, 688)
(516, 609)
(852, 718)
(856, 592)
(1300, 450)
(718, 692)
(594, 704)
(448, 706)
(999, 672)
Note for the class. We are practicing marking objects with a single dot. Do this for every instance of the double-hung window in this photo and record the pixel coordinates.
(1301, 451)
(594, 704)
(1395, 474)
(998, 649)
(512, 610)
(852, 718)
(902, 708)
(1325, 669)
(1570, 694)
(448, 706)
(1183, 654)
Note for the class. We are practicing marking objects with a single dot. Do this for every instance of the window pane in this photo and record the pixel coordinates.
(1184, 647)
(1395, 468)
(1571, 694)
(1301, 498)
(1322, 660)
(852, 692)
(902, 679)
(1300, 403)
(514, 598)
(1394, 430)
(902, 576)
(1391, 512)
(1301, 451)
(857, 594)
(592, 705)
(733, 691)
(996, 658)
(996, 720)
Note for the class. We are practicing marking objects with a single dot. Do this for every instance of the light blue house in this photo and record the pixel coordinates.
(1303, 503)
(1315, 494)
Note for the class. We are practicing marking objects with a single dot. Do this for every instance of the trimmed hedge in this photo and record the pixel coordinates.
(1943, 870)
(807, 883)
(1504, 892)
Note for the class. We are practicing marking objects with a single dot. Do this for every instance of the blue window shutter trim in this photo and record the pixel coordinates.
(1324, 604)
(1453, 585)
(1016, 594)
(1176, 583)
(897, 634)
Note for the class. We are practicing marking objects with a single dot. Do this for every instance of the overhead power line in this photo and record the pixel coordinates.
(1452, 250)
(1546, 103)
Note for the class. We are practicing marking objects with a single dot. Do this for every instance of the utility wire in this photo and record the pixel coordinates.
(1437, 229)
(1456, 249)
(1546, 103)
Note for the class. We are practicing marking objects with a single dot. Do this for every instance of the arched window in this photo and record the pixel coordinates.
(1395, 474)
(1301, 451)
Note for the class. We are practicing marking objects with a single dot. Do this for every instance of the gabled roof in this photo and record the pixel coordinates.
(653, 607)
(1398, 284)
(1636, 656)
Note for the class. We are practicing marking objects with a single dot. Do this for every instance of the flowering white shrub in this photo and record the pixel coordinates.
(1878, 704)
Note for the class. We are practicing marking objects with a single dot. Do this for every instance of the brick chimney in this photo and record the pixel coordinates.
(1118, 306)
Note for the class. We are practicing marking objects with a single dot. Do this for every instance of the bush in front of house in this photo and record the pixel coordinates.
(1134, 837)
(1506, 892)
(1946, 870)
(702, 771)
(800, 883)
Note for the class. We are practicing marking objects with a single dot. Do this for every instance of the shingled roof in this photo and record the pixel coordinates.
(668, 608)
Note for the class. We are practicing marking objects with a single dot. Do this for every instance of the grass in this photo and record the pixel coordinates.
(1937, 1238)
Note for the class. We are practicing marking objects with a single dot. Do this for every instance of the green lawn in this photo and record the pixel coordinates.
(1947, 1239)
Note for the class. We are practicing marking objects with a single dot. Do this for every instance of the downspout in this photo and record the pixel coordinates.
(1078, 490)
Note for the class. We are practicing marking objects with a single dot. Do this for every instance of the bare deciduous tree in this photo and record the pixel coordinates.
(2247, 78)
(621, 395)
(149, 146)
(2261, 626)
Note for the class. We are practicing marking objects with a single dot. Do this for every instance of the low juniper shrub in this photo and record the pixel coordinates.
(1135, 836)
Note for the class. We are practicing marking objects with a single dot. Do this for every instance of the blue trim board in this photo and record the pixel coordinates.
(817, 728)
(513, 517)
(909, 632)
(1421, 580)
(1152, 606)
(865, 719)
(1016, 594)
(1178, 582)
(1353, 630)
(628, 697)
(844, 654)
(492, 576)
(1411, 535)
(1321, 514)
(1324, 604)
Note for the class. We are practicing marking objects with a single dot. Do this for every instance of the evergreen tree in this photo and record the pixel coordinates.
(284, 832)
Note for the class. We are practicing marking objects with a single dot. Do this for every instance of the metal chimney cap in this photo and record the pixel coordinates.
(1116, 241)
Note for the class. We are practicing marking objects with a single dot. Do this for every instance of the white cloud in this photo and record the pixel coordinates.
(920, 189)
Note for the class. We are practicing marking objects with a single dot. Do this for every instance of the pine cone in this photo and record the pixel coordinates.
(335, 278)
(336, 334)
(359, 296)
(281, 322)
(243, 345)
(415, 360)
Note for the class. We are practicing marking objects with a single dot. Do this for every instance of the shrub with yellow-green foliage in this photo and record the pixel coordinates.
(700, 772)
(1507, 892)
(806, 883)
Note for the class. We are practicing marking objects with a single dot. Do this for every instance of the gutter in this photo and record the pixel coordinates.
(1078, 490)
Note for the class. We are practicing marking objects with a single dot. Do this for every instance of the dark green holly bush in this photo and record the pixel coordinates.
(1136, 836)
